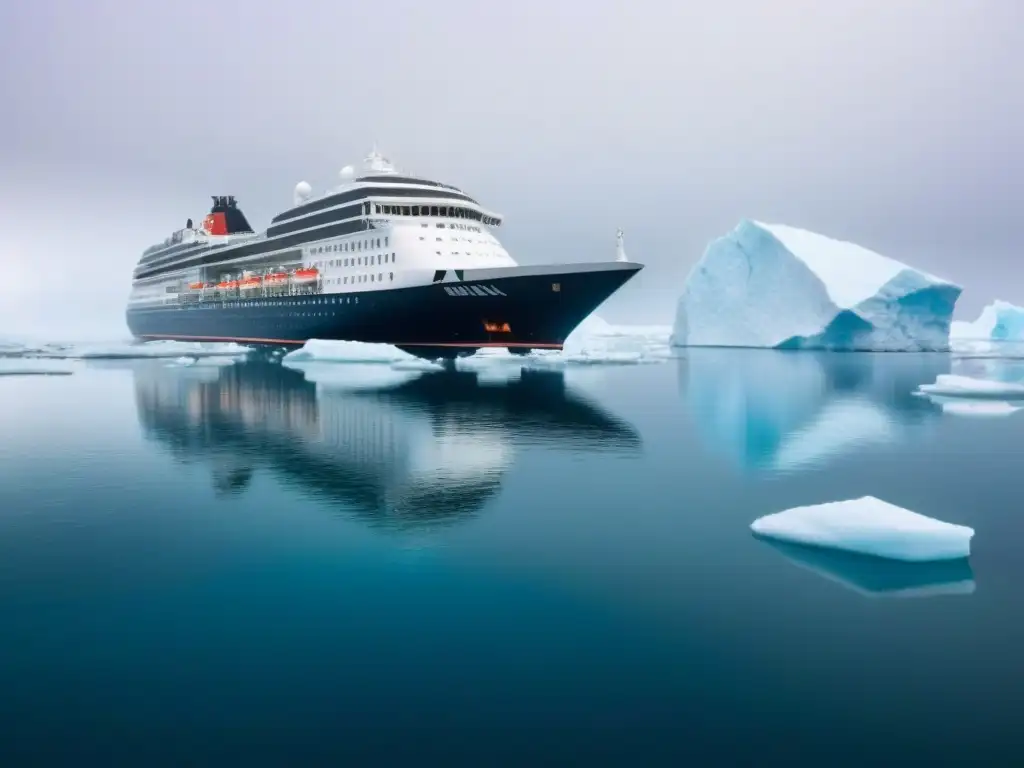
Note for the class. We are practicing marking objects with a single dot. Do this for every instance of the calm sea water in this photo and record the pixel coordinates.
(248, 564)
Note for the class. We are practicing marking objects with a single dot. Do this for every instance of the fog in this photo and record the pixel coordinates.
(892, 124)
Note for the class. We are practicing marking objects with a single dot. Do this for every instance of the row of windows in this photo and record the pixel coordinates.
(445, 211)
(359, 261)
(355, 195)
(359, 279)
(262, 303)
(358, 245)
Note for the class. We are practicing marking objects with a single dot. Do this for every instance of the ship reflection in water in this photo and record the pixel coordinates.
(421, 453)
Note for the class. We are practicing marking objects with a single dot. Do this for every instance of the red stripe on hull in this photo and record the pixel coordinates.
(293, 342)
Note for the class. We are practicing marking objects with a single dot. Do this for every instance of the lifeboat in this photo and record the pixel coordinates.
(227, 285)
(276, 278)
(306, 275)
(249, 283)
(196, 286)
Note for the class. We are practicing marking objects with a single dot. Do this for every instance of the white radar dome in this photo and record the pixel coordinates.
(302, 192)
(347, 173)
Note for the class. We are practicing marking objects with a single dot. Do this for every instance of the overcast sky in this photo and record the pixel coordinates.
(893, 123)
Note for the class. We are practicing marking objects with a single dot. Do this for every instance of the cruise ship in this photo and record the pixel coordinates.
(385, 257)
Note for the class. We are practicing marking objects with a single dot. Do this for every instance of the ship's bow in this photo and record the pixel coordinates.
(520, 308)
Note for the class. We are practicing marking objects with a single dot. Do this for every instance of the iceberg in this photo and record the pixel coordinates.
(868, 526)
(999, 321)
(769, 285)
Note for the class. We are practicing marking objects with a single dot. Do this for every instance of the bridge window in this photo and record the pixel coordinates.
(385, 242)
(405, 210)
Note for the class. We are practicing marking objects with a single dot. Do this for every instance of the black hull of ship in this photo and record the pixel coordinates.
(442, 320)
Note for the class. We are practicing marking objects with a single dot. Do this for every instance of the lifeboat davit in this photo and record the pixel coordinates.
(306, 275)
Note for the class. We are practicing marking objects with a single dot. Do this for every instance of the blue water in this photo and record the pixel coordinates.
(213, 565)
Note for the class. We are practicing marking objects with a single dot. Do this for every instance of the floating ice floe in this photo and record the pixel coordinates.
(132, 350)
(20, 366)
(769, 285)
(959, 406)
(594, 342)
(954, 385)
(325, 351)
(868, 526)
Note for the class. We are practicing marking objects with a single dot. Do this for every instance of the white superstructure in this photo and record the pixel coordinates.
(375, 231)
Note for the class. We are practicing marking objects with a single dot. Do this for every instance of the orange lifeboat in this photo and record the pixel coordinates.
(196, 286)
(276, 278)
(249, 283)
(306, 275)
(227, 285)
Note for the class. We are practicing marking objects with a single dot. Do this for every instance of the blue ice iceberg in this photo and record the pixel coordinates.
(868, 526)
(768, 285)
(999, 321)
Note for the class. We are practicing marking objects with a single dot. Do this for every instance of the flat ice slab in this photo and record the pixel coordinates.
(868, 526)
(952, 385)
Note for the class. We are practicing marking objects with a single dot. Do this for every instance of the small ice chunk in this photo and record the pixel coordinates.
(868, 526)
(330, 351)
(31, 367)
(132, 350)
(953, 385)
(32, 372)
(987, 408)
